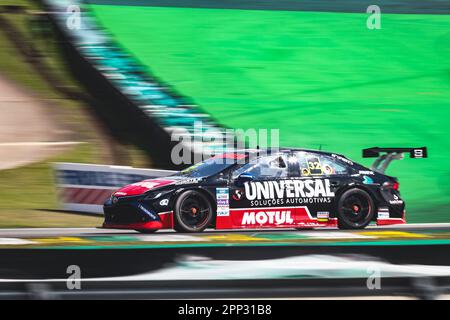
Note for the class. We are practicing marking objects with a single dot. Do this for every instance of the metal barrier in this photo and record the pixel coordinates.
(85, 187)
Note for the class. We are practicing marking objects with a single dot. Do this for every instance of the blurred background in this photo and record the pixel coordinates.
(109, 81)
(110, 87)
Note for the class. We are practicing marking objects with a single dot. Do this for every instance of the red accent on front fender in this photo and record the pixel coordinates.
(166, 219)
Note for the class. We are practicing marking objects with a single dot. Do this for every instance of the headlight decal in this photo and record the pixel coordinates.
(114, 199)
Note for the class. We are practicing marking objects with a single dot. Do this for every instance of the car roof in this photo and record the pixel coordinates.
(285, 149)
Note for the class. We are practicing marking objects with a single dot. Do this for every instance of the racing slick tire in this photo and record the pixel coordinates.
(355, 209)
(193, 212)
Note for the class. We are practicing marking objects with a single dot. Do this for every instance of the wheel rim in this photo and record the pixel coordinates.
(195, 211)
(356, 209)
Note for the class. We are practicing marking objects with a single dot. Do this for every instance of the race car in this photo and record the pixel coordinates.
(282, 188)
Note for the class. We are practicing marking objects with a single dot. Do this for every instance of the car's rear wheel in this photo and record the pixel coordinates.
(355, 209)
(193, 212)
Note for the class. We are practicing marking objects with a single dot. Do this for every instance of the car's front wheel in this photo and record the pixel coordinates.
(355, 209)
(193, 212)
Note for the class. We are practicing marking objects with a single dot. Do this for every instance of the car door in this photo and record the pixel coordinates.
(256, 190)
(320, 177)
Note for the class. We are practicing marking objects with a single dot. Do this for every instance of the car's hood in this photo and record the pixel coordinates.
(144, 186)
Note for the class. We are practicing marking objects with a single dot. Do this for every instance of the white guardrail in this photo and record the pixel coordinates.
(85, 187)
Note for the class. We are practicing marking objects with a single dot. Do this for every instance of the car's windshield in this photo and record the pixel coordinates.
(209, 167)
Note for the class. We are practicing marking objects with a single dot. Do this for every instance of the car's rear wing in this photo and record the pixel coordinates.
(386, 155)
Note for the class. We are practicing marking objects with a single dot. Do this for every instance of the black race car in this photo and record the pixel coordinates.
(283, 188)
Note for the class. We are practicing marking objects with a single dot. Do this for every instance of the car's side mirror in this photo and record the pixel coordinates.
(242, 178)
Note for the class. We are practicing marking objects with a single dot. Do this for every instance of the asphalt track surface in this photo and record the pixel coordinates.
(351, 6)
(82, 232)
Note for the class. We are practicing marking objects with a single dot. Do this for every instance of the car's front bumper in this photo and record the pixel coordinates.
(133, 214)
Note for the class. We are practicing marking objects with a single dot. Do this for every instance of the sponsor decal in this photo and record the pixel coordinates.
(366, 172)
(342, 159)
(267, 217)
(164, 202)
(222, 193)
(221, 190)
(274, 217)
(189, 181)
(148, 212)
(223, 212)
(238, 193)
(323, 215)
(223, 204)
(270, 193)
(305, 172)
(314, 165)
(383, 213)
(327, 169)
(396, 200)
(367, 180)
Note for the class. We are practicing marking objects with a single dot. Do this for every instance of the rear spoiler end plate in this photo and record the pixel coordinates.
(386, 155)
